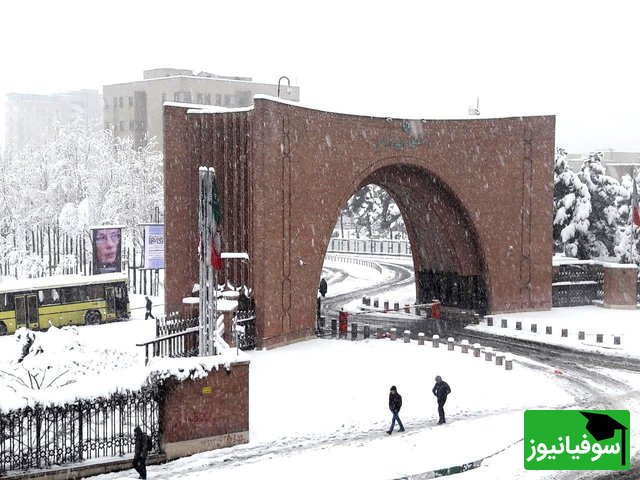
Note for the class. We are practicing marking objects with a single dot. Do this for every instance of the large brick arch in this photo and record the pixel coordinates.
(476, 196)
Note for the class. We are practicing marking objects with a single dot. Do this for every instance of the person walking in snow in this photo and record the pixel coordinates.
(323, 287)
(395, 404)
(148, 314)
(140, 452)
(441, 389)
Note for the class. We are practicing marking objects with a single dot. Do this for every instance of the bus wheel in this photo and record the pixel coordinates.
(92, 317)
(3, 329)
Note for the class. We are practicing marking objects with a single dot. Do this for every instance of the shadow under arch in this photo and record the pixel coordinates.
(447, 253)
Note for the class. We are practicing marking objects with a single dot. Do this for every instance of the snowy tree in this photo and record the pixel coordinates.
(572, 208)
(607, 195)
(374, 211)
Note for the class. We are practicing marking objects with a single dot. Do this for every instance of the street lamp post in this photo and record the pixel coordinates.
(280, 81)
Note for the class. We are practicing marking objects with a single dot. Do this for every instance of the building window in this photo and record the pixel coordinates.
(120, 102)
(131, 124)
(115, 102)
(121, 125)
(131, 101)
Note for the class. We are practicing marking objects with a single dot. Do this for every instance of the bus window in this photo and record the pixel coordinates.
(8, 302)
(55, 296)
(41, 297)
(95, 292)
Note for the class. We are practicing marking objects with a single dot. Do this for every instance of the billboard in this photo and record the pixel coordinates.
(107, 249)
(154, 245)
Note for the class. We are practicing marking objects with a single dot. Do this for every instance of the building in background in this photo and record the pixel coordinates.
(617, 163)
(135, 108)
(29, 116)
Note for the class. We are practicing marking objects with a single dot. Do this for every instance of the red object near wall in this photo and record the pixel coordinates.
(343, 318)
(435, 309)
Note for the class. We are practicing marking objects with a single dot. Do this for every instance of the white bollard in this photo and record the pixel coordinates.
(476, 349)
(465, 346)
(435, 341)
(488, 354)
(450, 344)
(420, 338)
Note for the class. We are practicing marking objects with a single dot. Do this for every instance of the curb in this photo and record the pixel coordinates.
(444, 472)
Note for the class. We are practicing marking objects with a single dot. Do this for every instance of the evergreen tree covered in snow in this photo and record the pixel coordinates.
(572, 208)
(607, 197)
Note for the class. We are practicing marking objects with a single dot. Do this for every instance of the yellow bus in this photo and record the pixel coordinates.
(63, 300)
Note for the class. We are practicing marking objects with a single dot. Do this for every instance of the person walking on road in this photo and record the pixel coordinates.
(141, 451)
(395, 403)
(148, 314)
(441, 389)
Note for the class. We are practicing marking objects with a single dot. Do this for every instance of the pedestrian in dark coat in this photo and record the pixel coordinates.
(441, 389)
(148, 314)
(141, 451)
(395, 404)
(323, 287)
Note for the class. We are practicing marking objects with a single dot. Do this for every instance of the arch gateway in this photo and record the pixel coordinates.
(476, 196)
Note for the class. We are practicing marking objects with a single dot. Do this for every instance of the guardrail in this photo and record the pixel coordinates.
(354, 261)
(370, 246)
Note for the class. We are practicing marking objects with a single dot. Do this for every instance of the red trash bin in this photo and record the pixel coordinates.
(435, 309)
(343, 318)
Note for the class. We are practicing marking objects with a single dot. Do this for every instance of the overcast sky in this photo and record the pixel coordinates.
(578, 60)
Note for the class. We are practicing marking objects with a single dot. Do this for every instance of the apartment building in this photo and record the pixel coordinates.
(135, 108)
(29, 116)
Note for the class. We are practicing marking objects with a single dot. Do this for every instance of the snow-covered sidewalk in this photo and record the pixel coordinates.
(591, 320)
(319, 410)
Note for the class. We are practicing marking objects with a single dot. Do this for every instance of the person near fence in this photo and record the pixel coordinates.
(149, 305)
(441, 389)
(323, 287)
(141, 452)
(395, 404)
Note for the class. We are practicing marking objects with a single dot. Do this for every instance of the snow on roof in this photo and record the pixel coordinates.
(58, 281)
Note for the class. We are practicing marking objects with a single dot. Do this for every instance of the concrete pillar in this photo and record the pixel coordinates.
(334, 326)
(435, 341)
(366, 331)
(564, 332)
(393, 334)
(322, 322)
(499, 359)
(489, 321)
(450, 344)
(476, 349)
(407, 336)
(379, 332)
(504, 323)
(599, 337)
(549, 330)
(417, 310)
(364, 300)
(488, 354)
(580, 335)
(420, 338)
(386, 305)
(616, 340)
(508, 364)
(534, 328)
(407, 308)
(476, 319)
(375, 303)
(465, 346)
(518, 325)
(396, 306)
(354, 331)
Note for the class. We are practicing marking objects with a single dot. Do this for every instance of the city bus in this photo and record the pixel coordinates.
(62, 300)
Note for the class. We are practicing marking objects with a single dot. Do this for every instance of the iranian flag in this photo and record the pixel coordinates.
(216, 242)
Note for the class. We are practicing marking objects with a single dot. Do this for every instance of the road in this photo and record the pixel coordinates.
(584, 374)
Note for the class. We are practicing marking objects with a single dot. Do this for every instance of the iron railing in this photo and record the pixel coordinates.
(577, 284)
(42, 437)
(173, 323)
(245, 327)
(176, 345)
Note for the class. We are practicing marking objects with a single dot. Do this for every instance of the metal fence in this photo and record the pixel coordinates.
(42, 437)
(244, 324)
(370, 246)
(576, 284)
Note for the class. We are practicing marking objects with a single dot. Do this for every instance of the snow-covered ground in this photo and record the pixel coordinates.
(343, 277)
(592, 320)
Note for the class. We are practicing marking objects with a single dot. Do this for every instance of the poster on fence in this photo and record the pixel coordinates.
(107, 248)
(154, 245)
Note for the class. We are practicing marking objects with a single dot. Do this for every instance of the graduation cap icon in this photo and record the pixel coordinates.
(603, 427)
